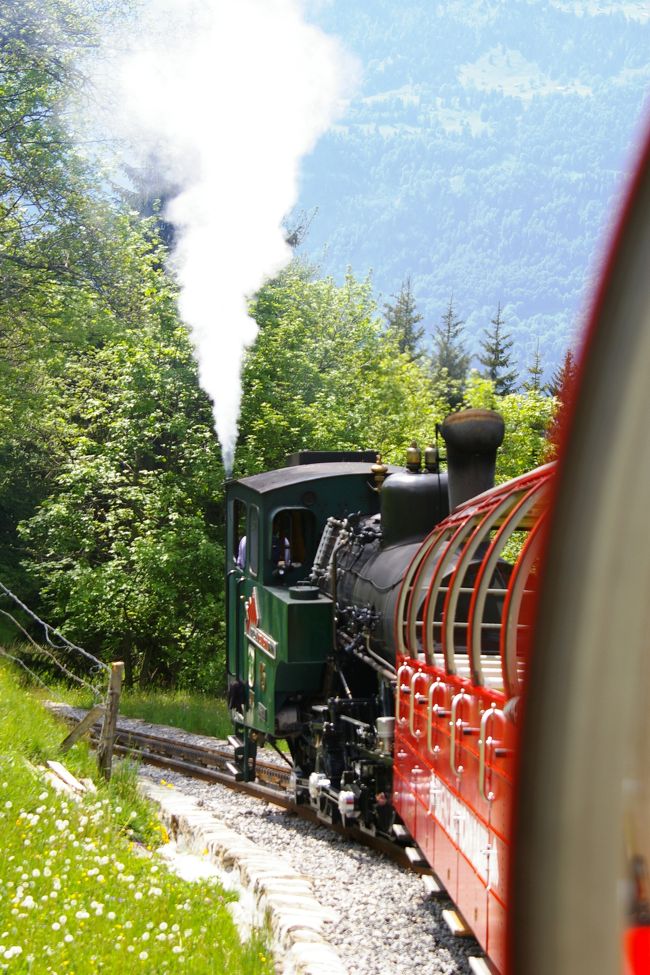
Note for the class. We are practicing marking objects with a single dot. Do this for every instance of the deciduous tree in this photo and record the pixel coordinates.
(127, 546)
(325, 374)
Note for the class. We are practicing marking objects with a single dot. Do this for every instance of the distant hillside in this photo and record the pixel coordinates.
(483, 154)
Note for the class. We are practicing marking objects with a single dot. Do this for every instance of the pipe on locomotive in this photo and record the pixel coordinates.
(472, 438)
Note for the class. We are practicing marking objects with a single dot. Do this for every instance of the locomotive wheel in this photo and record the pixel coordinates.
(582, 822)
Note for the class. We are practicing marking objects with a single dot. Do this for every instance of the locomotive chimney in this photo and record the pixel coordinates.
(472, 438)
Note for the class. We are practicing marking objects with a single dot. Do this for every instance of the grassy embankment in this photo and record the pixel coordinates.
(198, 713)
(194, 712)
(76, 893)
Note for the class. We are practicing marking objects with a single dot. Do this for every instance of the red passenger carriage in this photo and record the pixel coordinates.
(462, 632)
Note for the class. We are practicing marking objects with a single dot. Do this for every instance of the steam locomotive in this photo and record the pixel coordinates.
(379, 621)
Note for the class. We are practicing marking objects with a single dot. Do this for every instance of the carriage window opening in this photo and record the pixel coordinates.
(493, 608)
(512, 548)
(491, 630)
(423, 582)
(239, 546)
(253, 541)
(410, 629)
(437, 618)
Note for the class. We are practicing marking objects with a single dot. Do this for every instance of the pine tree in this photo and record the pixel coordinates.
(563, 378)
(450, 361)
(402, 319)
(497, 358)
(561, 386)
(535, 371)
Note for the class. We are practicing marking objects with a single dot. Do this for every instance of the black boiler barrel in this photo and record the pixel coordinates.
(411, 505)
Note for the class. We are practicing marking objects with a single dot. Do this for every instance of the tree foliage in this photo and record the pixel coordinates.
(496, 358)
(324, 374)
(564, 377)
(110, 473)
(127, 546)
(449, 360)
(533, 382)
(527, 415)
(402, 318)
(562, 387)
(111, 482)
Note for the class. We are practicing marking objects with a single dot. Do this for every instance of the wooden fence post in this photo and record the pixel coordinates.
(107, 736)
(84, 725)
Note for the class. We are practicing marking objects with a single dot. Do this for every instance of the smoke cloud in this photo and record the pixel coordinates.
(230, 95)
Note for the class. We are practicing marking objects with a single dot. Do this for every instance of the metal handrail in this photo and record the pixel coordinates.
(401, 688)
(456, 700)
(483, 742)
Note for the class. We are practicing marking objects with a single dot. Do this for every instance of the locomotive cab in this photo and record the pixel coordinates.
(280, 626)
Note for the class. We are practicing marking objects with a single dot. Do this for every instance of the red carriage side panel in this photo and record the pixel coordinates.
(462, 634)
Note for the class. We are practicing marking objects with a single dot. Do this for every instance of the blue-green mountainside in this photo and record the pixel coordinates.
(483, 154)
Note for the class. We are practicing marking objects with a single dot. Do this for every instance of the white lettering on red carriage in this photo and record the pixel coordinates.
(467, 831)
(254, 633)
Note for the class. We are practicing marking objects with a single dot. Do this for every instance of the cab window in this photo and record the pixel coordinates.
(254, 538)
(239, 546)
(292, 539)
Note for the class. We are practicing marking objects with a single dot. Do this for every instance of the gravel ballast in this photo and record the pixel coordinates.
(383, 922)
(378, 916)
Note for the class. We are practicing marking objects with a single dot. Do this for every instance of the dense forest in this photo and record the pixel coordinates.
(111, 478)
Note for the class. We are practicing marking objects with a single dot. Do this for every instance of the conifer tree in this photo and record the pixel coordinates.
(535, 373)
(561, 387)
(450, 361)
(563, 377)
(402, 318)
(497, 358)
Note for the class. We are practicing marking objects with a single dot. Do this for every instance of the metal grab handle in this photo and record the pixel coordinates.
(483, 742)
(456, 769)
(432, 708)
(418, 673)
(401, 687)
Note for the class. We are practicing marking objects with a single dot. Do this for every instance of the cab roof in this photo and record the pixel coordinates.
(287, 476)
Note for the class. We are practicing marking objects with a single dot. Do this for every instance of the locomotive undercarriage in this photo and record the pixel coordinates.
(340, 745)
(343, 763)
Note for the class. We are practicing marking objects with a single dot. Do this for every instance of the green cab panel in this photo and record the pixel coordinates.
(287, 642)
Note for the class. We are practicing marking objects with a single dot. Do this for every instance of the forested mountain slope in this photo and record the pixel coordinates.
(483, 154)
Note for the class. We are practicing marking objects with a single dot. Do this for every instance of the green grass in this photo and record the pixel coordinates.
(74, 896)
(194, 712)
(183, 709)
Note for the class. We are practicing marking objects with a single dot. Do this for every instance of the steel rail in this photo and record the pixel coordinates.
(208, 763)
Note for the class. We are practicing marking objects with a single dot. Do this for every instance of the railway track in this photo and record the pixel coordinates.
(214, 763)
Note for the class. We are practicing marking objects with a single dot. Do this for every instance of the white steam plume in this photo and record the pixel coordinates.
(231, 94)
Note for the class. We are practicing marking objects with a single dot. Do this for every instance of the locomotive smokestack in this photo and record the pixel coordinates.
(472, 438)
